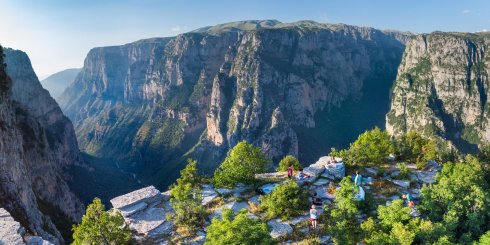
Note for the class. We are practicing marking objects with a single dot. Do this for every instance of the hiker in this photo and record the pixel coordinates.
(301, 175)
(313, 216)
(409, 198)
(358, 179)
(331, 188)
(290, 171)
(316, 200)
(332, 160)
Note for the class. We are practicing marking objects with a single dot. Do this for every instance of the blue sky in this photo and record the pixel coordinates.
(57, 34)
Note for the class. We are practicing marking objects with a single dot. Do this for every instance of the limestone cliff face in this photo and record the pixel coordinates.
(200, 93)
(36, 143)
(442, 88)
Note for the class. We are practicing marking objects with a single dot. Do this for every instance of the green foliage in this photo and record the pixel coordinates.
(459, 199)
(238, 230)
(286, 200)
(404, 171)
(371, 148)
(396, 226)
(342, 220)
(101, 227)
(240, 165)
(485, 239)
(415, 148)
(186, 198)
(287, 161)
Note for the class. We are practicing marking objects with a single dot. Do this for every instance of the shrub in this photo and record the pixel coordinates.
(371, 148)
(342, 220)
(286, 200)
(241, 229)
(287, 161)
(240, 165)
(404, 171)
(415, 148)
(186, 198)
(101, 227)
(460, 199)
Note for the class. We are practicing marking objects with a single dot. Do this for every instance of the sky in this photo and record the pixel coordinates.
(57, 34)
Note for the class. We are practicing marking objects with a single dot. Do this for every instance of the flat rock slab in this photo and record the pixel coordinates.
(162, 230)
(426, 177)
(325, 239)
(277, 176)
(372, 171)
(5, 215)
(133, 209)
(148, 194)
(336, 169)
(328, 175)
(208, 194)
(401, 183)
(237, 206)
(299, 219)
(279, 229)
(314, 170)
(224, 191)
(321, 181)
(146, 221)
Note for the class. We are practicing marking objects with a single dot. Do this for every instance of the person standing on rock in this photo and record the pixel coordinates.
(358, 179)
(409, 198)
(313, 216)
(290, 171)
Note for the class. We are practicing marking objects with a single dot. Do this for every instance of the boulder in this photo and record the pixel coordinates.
(325, 239)
(237, 206)
(223, 191)
(298, 220)
(148, 195)
(372, 171)
(133, 209)
(11, 231)
(279, 229)
(426, 177)
(275, 176)
(163, 230)
(401, 183)
(254, 200)
(321, 182)
(314, 170)
(327, 175)
(337, 170)
(146, 221)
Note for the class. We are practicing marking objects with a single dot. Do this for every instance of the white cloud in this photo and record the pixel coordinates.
(466, 11)
(176, 29)
(483, 30)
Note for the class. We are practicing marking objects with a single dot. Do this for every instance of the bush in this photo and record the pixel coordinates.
(485, 239)
(460, 199)
(186, 198)
(371, 148)
(101, 227)
(396, 226)
(404, 171)
(287, 161)
(240, 165)
(415, 148)
(342, 220)
(286, 200)
(241, 229)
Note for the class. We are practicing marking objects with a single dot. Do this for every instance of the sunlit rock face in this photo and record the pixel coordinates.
(442, 88)
(290, 88)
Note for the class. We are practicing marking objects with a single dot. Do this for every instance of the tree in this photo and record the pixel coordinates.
(396, 226)
(485, 239)
(343, 222)
(186, 198)
(370, 148)
(459, 199)
(238, 230)
(240, 165)
(287, 161)
(101, 227)
(286, 200)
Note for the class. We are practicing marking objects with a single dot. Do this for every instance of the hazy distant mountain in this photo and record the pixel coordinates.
(59, 81)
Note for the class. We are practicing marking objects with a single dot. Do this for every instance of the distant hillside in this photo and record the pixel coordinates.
(59, 81)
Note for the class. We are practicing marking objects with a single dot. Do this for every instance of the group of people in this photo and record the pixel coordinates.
(317, 201)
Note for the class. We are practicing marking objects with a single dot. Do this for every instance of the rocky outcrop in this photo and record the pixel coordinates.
(281, 86)
(442, 88)
(36, 143)
(58, 82)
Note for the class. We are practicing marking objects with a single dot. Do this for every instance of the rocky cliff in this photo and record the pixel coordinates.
(37, 143)
(58, 82)
(442, 88)
(287, 87)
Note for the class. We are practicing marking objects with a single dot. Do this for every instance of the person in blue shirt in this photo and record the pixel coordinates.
(358, 179)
